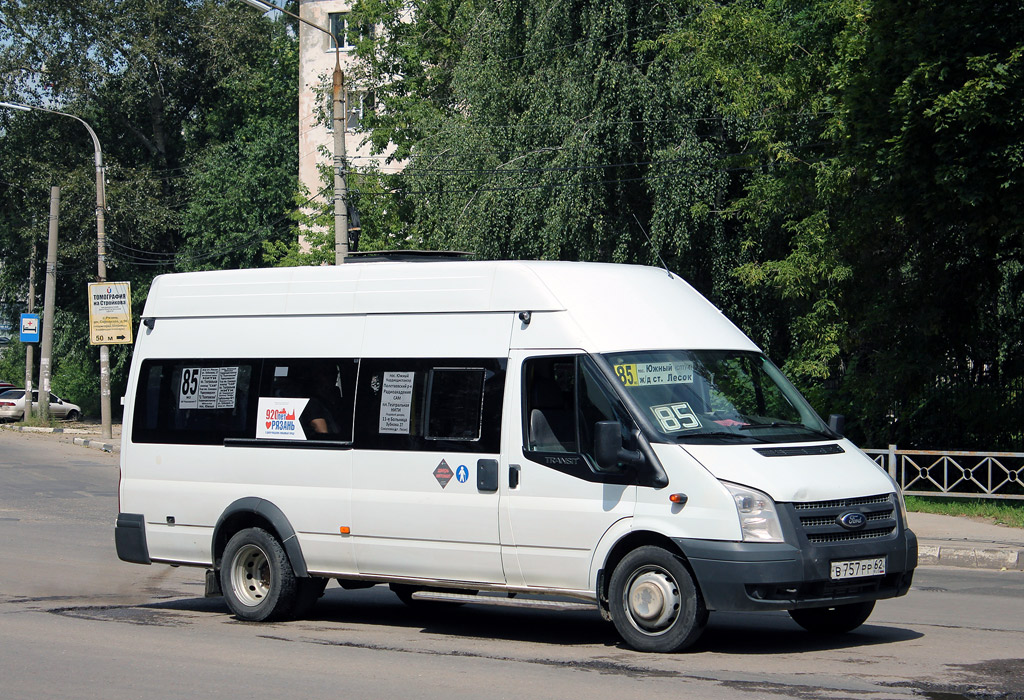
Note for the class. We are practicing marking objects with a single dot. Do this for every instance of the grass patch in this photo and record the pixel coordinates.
(1001, 512)
(37, 422)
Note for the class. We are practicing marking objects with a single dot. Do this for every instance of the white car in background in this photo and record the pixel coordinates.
(12, 406)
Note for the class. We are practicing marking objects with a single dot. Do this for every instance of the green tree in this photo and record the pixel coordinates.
(194, 103)
(840, 176)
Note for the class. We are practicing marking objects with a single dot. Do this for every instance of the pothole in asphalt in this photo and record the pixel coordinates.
(120, 613)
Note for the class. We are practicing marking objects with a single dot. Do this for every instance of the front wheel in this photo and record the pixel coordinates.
(654, 601)
(72, 416)
(835, 620)
(257, 578)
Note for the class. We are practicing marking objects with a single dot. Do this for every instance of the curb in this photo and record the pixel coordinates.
(970, 557)
(31, 429)
(96, 444)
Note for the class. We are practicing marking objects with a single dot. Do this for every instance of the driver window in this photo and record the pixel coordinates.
(564, 399)
(550, 404)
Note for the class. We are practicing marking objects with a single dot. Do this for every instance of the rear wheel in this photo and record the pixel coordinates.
(835, 620)
(654, 602)
(257, 578)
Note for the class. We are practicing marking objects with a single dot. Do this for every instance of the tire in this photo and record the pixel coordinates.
(72, 416)
(257, 578)
(405, 591)
(835, 620)
(654, 602)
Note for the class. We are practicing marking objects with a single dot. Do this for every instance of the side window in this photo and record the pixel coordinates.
(454, 403)
(313, 398)
(430, 404)
(550, 384)
(199, 402)
(564, 397)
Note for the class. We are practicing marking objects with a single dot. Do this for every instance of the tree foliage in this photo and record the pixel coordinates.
(194, 104)
(842, 177)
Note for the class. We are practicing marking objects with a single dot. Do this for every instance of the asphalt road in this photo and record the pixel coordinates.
(75, 622)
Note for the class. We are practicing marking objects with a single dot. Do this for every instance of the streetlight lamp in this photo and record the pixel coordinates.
(101, 243)
(340, 193)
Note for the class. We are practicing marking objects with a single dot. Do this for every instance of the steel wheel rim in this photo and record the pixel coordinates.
(250, 575)
(651, 600)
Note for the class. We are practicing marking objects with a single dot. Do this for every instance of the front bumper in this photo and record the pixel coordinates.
(794, 574)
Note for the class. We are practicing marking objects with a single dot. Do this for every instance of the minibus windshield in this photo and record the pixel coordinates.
(716, 396)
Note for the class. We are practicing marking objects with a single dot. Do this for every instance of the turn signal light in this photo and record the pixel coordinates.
(679, 498)
(345, 530)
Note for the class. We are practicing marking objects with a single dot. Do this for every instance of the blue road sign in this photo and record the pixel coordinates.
(30, 328)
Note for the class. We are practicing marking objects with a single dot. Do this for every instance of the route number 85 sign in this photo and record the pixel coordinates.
(673, 417)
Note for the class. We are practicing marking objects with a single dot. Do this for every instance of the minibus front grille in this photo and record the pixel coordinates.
(850, 536)
(845, 502)
(821, 522)
(828, 521)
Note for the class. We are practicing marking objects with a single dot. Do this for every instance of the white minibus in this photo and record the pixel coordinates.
(470, 431)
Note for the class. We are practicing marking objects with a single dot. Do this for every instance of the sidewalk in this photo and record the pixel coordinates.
(943, 540)
(86, 434)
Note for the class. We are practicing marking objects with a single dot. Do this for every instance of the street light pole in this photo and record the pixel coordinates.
(338, 117)
(101, 245)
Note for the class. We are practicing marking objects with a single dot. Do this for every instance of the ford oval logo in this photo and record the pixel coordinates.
(852, 521)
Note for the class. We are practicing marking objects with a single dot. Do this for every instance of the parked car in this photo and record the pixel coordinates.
(12, 406)
(4, 386)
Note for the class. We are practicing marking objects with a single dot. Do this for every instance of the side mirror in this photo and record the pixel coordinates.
(608, 450)
(837, 423)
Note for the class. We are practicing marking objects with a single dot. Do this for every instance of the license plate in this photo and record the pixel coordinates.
(857, 568)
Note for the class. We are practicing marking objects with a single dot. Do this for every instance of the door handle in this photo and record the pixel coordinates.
(513, 476)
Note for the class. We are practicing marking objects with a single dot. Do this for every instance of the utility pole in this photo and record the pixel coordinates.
(340, 190)
(48, 307)
(106, 425)
(30, 347)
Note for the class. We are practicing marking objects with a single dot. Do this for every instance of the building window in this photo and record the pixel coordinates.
(347, 31)
(359, 105)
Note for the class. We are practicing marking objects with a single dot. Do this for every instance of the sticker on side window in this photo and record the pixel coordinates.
(655, 373)
(673, 417)
(278, 418)
(208, 387)
(396, 403)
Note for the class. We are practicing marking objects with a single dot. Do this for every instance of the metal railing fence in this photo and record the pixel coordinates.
(954, 474)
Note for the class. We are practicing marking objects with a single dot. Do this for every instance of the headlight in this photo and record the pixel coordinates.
(903, 507)
(758, 519)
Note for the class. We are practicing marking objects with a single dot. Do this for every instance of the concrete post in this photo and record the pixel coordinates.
(48, 307)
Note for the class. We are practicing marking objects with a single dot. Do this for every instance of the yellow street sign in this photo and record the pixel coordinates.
(110, 313)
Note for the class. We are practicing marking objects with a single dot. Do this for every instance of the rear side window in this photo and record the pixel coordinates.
(320, 392)
(195, 401)
(389, 404)
(455, 398)
(430, 404)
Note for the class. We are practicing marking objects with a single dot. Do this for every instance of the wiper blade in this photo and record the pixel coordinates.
(787, 424)
(719, 434)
